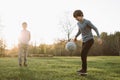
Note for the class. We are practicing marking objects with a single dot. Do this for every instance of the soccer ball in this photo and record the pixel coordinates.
(70, 46)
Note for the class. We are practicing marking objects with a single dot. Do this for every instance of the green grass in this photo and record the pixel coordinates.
(60, 68)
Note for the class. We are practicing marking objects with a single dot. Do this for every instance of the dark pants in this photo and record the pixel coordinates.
(85, 49)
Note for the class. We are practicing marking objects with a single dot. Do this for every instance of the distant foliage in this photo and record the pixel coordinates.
(110, 47)
(2, 47)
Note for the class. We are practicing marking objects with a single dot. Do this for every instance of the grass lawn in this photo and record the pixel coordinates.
(60, 68)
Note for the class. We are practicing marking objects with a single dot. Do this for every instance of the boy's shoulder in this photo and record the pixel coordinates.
(86, 20)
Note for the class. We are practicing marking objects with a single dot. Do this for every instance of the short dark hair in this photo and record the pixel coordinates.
(24, 23)
(77, 13)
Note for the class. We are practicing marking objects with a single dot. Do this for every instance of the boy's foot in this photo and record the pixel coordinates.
(25, 64)
(82, 72)
(20, 65)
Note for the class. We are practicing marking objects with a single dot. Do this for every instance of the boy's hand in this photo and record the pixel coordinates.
(75, 39)
(100, 41)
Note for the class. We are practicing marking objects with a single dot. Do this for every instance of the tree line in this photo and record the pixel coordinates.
(110, 47)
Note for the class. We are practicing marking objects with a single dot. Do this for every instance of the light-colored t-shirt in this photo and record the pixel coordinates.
(24, 37)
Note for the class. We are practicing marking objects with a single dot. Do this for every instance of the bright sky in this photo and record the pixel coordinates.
(43, 17)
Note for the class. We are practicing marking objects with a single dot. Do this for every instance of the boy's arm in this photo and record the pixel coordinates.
(29, 36)
(19, 37)
(79, 32)
(94, 28)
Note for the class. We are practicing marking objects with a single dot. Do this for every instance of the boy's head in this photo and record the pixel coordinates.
(24, 25)
(78, 15)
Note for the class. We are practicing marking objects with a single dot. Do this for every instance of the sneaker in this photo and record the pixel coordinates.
(25, 64)
(20, 65)
(82, 72)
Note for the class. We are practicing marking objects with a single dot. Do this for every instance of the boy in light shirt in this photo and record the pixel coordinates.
(24, 39)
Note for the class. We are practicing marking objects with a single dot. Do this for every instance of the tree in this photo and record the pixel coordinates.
(67, 25)
(2, 47)
(106, 41)
(2, 42)
(117, 42)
